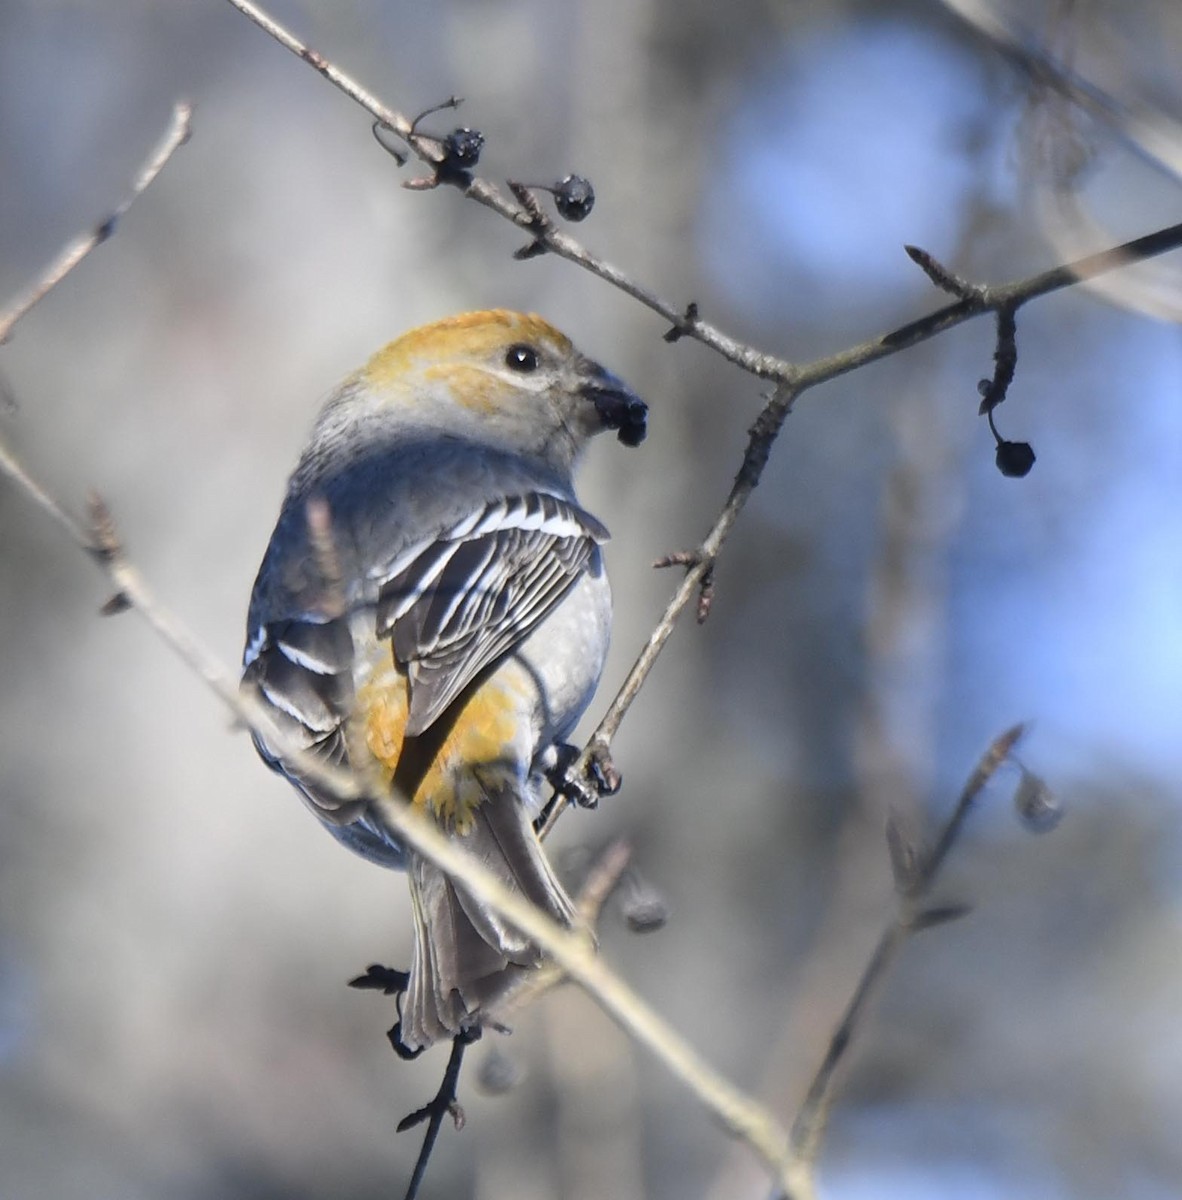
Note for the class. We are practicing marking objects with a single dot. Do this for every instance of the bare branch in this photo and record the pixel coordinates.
(989, 299)
(601, 880)
(400, 124)
(685, 320)
(175, 136)
(544, 233)
(912, 915)
(440, 1106)
(1151, 133)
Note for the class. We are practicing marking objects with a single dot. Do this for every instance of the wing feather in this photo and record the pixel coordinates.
(477, 590)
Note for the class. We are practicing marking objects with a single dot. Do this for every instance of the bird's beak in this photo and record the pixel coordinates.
(618, 406)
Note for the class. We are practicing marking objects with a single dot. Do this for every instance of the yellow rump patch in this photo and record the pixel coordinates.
(483, 736)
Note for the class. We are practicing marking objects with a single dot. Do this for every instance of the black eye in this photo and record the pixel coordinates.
(521, 358)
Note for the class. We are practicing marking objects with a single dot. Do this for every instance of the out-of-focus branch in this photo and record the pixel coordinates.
(572, 951)
(1152, 134)
(175, 136)
(1057, 147)
(915, 875)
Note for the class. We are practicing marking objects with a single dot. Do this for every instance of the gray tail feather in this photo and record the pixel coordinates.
(465, 956)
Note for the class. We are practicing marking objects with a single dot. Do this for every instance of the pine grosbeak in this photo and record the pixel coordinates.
(457, 627)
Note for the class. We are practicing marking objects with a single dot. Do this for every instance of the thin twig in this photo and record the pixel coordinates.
(400, 124)
(429, 150)
(748, 358)
(573, 951)
(439, 1107)
(988, 299)
(915, 877)
(601, 881)
(175, 136)
(700, 563)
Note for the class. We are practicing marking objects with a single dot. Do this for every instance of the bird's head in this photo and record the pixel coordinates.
(508, 377)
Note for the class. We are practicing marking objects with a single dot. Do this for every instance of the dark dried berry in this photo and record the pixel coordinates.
(1015, 458)
(498, 1073)
(462, 148)
(644, 909)
(574, 197)
(1037, 806)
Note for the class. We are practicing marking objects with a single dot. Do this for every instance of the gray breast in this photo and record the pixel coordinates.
(566, 653)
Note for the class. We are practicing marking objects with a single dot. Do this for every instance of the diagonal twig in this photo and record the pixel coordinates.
(915, 875)
(430, 151)
(701, 563)
(175, 136)
(442, 1105)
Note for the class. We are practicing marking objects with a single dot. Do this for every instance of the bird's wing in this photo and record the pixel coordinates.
(455, 603)
(302, 668)
(450, 605)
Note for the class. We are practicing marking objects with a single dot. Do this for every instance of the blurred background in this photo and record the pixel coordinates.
(176, 931)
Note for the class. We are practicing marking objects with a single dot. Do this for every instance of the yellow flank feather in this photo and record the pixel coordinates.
(467, 338)
(480, 744)
(374, 734)
(481, 740)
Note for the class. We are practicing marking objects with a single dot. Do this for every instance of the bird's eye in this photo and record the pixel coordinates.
(521, 358)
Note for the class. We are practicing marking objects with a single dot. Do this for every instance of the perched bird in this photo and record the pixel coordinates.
(433, 612)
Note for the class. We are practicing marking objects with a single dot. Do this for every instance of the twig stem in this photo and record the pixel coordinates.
(809, 1126)
(175, 136)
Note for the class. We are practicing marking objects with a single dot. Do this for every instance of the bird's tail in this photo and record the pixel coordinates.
(466, 958)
